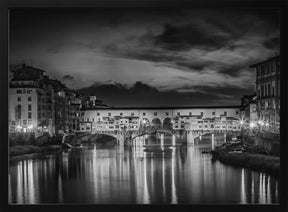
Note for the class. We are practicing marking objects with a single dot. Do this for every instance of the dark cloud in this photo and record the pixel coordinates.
(67, 77)
(273, 43)
(185, 37)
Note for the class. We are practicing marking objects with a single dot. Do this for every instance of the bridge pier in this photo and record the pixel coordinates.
(213, 141)
(190, 137)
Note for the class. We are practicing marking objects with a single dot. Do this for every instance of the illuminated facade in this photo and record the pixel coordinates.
(268, 93)
(185, 118)
(31, 102)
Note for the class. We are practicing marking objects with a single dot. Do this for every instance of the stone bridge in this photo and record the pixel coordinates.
(188, 136)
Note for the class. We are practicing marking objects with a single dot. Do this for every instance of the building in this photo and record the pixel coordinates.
(174, 118)
(268, 93)
(31, 101)
(249, 114)
(40, 104)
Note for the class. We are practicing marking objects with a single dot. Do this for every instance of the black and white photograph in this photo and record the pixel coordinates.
(144, 106)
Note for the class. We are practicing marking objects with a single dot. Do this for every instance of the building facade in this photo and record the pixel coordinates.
(268, 93)
(198, 118)
(40, 104)
(31, 102)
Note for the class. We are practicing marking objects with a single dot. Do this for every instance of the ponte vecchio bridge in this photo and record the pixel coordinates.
(126, 124)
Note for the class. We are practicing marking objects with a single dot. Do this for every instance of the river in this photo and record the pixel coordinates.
(111, 174)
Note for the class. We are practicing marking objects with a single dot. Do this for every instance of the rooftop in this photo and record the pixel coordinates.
(272, 58)
(26, 67)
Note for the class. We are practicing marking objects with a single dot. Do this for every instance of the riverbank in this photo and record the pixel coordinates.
(21, 150)
(251, 157)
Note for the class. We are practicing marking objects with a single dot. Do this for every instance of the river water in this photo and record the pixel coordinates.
(111, 174)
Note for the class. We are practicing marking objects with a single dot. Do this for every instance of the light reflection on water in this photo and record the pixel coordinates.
(136, 175)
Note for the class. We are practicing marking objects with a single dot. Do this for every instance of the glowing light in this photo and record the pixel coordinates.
(19, 127)
(252, 125)
(30, 126)
(267, 124)
(241, 122)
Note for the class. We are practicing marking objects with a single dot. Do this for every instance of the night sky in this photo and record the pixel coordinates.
(177, 57)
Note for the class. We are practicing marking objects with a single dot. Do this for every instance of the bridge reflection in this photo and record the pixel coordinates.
(138, 174)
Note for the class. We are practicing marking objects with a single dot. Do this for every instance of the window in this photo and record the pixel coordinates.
(237, 112)
(19, 99)
(190, 113)
(24, 122)
(29, 115)
(225, 113)
(155, 113)
(262, 90)
(269, 88)
(29, 122)
(29, 107)
(121, 114)
(273, 90)
(18, 112)
(109, 114)
(202, 113)
(29, 98)
(18, 91)
(87, 119)
(178, 114)
(132, 114)
(98, 114)
(167, 114)
(213, 113)
(144, 114)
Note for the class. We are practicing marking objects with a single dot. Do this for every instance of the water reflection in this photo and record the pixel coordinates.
(136, 175)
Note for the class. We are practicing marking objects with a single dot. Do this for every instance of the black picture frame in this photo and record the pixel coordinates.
(8, 4)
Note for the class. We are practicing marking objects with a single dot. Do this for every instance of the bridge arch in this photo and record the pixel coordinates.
(156, 123)
(167, 124)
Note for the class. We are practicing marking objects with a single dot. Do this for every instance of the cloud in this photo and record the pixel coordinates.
(196, 52)
(67, 77)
